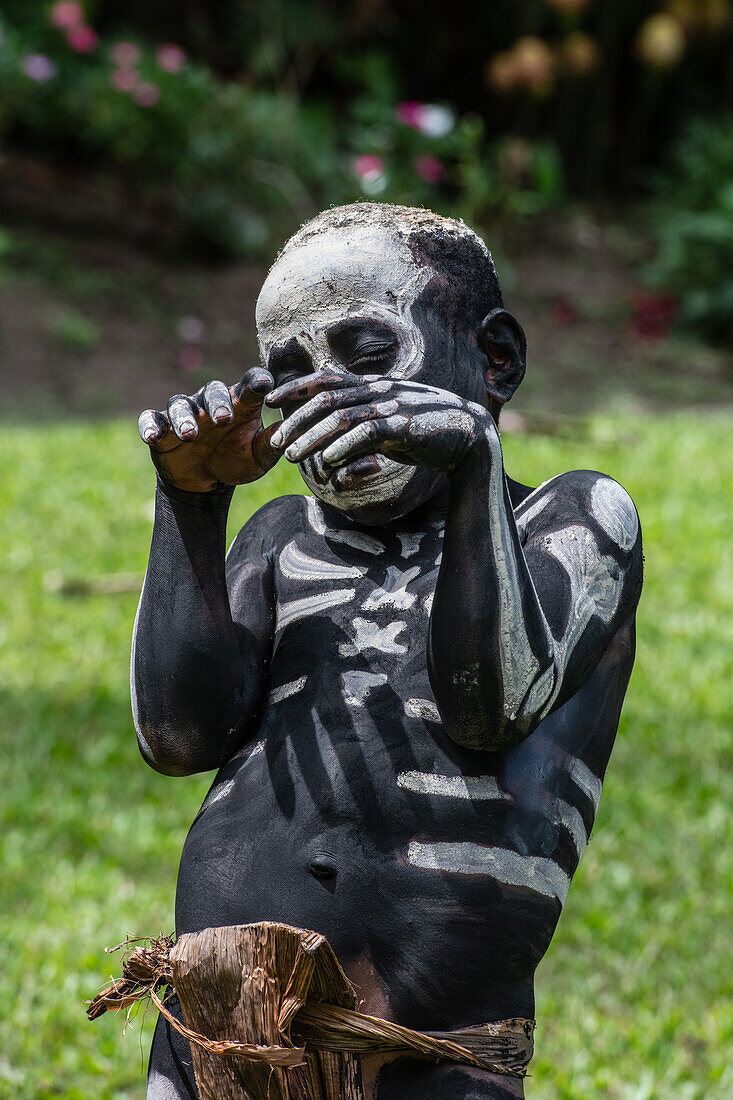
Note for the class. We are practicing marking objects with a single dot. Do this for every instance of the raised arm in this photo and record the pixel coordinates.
(198, 669)
(517, 629)
(514, 630)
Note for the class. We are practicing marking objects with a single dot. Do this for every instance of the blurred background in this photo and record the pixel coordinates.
(153, 158)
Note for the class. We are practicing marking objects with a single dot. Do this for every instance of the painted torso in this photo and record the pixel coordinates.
(438, 872)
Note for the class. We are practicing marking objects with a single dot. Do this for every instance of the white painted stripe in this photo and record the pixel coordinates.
(410, 543)
(614, 509)
(465, 858)
(481, 788)
(311, 605)
(394, 590)
(534, 510)
(299, 566)
(350, 538)
(422, 708)
(221, 792)
(247, 752)
(161, 1087)
(284, 691)
(572, 820)
(370, 636)
(532, 497)
(584, 778)
(144, 746)
(357, 685)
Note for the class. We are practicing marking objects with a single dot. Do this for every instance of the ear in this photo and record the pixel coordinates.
(502, 340)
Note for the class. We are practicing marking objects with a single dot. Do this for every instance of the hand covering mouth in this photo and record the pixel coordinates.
(352, 473)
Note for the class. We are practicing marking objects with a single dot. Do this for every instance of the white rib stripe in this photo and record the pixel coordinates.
(589, 783)
(475, 787)
(312, 605)
(284, 691)
(533, 872)
(422, 708)
(218, 793)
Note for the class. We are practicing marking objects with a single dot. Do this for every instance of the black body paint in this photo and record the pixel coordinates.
(392, 772)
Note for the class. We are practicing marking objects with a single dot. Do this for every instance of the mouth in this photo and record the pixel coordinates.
(355, 473)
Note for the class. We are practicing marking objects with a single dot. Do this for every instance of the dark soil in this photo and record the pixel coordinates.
(93, 326)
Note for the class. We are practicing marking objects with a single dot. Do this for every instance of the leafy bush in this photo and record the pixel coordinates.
(213, 155)
(239, 165)
(425, 154)
(695, 229)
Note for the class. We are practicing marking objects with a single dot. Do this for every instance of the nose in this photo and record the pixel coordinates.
(304, 354)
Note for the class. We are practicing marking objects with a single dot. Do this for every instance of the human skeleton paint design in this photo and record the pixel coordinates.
(411, 682)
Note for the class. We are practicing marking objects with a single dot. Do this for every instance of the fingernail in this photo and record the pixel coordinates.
(276, 439)
(222, 414)
(150, 435)
(292, 454)
(187, 427)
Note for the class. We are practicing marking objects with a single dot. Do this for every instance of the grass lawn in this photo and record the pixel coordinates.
(634, 998)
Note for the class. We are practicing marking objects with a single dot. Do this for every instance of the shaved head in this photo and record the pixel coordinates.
(465, 286)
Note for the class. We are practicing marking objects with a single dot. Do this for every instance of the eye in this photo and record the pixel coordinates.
(371, 352)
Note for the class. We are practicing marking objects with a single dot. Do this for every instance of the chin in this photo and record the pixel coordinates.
(372, 489)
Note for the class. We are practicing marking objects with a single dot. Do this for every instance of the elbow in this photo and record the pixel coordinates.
(488, 734)
(180, 756)
(163, 758)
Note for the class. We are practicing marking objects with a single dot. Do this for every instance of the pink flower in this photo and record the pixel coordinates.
(38, 67)
(82, 39)
(427, 118)
(146, 94)
(124, 80)
(410, 113)
(653, 314)
(191, 329)
(67, 14)
(369, 167)
(125, 54)
(170, 57)
(429, 169)
(190, 358)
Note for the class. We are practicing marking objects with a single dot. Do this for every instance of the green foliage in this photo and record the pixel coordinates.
(634, 998)
(695, 229)
(239, 165)
(186, 145)
(69, 329)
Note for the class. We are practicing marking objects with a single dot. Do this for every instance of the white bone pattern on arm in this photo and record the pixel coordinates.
(596, 584)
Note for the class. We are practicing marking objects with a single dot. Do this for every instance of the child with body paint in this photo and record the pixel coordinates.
(409, 681)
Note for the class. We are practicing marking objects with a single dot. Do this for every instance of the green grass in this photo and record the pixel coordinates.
(634, 998)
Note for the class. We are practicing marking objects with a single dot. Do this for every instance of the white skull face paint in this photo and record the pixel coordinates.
(362, 275)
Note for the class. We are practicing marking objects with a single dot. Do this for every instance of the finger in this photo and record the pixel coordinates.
(336, 424)
(250, 391)
(302, 389)
(364, 439)
(182, 413)
(265, 454)
(217, 401)
(152, 425)
(315, 409)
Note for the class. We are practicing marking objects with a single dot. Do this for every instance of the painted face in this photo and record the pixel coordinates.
(343, 300)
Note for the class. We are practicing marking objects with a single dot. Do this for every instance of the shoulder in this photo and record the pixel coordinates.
(585, 524)
(269, 528)
(586, 497)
